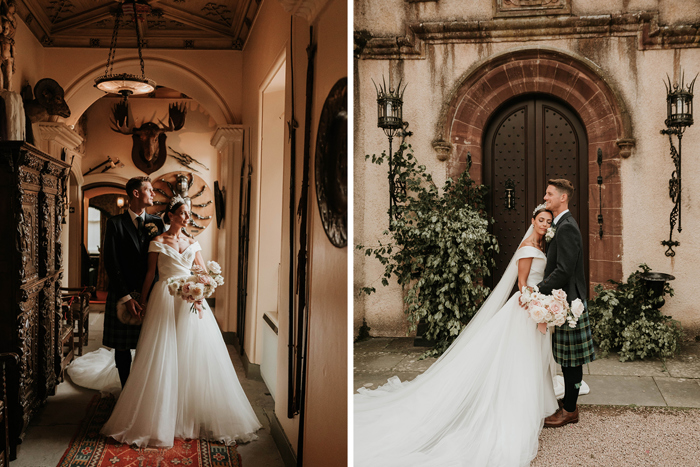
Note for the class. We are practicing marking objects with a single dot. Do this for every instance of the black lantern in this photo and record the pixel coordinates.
(679, 110)
(390, 119)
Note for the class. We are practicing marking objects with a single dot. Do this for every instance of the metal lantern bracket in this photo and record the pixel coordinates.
(679, 110)
(599, 160)
(390, 119)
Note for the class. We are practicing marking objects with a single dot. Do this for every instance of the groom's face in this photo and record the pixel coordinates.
(145, 194)
(554, 199)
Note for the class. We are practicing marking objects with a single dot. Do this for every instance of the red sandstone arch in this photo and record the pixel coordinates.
(579, 84)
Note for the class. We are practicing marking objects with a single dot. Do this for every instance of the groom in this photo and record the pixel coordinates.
(125, 257)
(572, 347)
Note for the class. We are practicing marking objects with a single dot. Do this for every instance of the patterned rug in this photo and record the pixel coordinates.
(90, 449)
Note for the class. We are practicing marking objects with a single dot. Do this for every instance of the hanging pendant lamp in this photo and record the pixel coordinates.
(126, 84)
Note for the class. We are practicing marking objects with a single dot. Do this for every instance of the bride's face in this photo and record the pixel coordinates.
(181, 217)
(542, 222)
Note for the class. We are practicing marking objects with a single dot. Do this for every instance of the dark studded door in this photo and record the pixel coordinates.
(527, 143)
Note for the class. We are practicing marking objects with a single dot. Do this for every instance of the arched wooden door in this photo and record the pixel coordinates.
(527, 142)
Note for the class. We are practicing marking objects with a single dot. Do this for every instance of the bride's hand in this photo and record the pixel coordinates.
(198, 306)
(542, 327)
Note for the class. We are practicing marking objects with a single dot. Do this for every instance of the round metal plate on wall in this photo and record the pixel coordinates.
(189, 186)
(331, 165)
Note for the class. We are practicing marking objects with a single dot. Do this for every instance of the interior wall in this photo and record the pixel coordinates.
(29, 63)
(269, 239)
(267, 41)
(326, 398)
(193, 139)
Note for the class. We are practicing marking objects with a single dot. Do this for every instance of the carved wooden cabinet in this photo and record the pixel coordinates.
(31, 205)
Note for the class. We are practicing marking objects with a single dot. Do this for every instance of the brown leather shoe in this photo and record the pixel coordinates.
(560, 418)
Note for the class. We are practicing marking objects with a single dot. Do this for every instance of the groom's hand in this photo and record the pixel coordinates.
(134, 307)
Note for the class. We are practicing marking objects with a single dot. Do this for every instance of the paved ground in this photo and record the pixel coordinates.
(50, 432)
(641, 413)
(649, 383)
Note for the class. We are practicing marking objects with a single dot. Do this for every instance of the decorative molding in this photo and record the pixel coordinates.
(443, 149)
(643, 25)
(59, 133)
(507, 8)
(307, 9)
(225, 135)
(626, 146)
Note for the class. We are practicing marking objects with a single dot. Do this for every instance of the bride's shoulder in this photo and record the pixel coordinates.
(158, 238)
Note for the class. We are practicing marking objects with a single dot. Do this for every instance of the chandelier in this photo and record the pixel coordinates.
(126, 84)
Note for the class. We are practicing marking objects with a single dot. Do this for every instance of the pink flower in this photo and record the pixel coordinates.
(559, 294)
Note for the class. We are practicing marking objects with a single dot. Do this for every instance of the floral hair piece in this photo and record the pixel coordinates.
(176, 199)
(539, 208)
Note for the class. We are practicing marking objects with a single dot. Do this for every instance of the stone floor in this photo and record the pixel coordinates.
(651, 383)
(50, 432)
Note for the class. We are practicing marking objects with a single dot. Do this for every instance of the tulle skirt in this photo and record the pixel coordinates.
(482, 405)
(211, 402)
(146, 411)
(182, 382)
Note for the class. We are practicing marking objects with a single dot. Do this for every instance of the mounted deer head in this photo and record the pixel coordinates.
(149, 150)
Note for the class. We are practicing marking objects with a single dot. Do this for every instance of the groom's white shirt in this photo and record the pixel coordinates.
(556, 219)
(133, 216)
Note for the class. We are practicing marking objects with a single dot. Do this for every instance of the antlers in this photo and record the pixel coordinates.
(122, 119)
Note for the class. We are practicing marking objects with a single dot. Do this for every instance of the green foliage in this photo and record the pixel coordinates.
(438, 248)
(624, 320)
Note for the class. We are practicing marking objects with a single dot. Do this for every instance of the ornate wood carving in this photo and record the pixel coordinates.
(29, 302)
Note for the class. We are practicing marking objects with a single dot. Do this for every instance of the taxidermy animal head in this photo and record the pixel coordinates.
(46, 102)
(149, 151)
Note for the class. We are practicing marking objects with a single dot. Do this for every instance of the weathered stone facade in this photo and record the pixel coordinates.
(606, 61)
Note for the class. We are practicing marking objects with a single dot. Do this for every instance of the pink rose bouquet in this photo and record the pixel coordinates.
(552, 310)
(200, 285)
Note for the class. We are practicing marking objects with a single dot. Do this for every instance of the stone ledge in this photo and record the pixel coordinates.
(644, 25)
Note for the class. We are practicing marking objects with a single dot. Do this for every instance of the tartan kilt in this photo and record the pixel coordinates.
(118, 335)
(574, 346)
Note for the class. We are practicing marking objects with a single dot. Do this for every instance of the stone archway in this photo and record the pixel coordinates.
(603, 114)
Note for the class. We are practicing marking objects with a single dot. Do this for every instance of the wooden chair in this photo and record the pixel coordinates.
(79, 298)
(4, 420)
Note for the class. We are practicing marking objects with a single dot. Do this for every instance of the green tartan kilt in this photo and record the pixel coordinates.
(118, 335)
(574, 346)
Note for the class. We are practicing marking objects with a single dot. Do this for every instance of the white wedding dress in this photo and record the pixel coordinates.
(182, 382)
(482, 403)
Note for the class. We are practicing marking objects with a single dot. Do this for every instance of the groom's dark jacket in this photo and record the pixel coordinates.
(125, 253)
(564, 270)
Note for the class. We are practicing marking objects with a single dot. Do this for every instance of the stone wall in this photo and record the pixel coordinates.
(607, 60)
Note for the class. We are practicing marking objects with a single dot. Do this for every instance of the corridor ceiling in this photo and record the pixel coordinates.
(171, 24)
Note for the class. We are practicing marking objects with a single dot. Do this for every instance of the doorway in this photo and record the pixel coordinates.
(527, 142)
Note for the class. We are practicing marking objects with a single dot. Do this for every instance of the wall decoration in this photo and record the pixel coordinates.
(219, 204)
(148, 151)
(332, 165)
(196, 192)
(186, 160)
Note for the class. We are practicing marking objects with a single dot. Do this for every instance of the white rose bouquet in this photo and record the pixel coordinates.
(200, 285)
(552, 310)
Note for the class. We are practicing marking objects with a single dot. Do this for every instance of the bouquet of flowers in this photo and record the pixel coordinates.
(200, 285)
(553, 309)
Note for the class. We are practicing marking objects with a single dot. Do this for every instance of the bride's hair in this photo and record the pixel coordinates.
(171, 209)
(541, 208)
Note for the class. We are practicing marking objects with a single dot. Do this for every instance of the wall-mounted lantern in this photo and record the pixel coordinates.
(390, 119)
(120, 202)
(679, 111)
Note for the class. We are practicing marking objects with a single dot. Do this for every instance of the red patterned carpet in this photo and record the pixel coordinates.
(90, 449)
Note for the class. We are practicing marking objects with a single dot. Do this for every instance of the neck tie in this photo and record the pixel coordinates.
(139, 220)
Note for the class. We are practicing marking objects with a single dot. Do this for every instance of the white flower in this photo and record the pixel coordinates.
(526, 295)
(219, 280)
(549, 235)
(173, 286)
(559, 294)
(197, 291)
(213, 267)
(555, 308)
(538, 313)
(577, 308)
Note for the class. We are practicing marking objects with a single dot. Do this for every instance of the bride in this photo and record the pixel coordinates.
(483, 402)
(182, 382)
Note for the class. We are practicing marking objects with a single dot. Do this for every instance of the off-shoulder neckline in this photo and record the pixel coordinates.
(183, 251)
